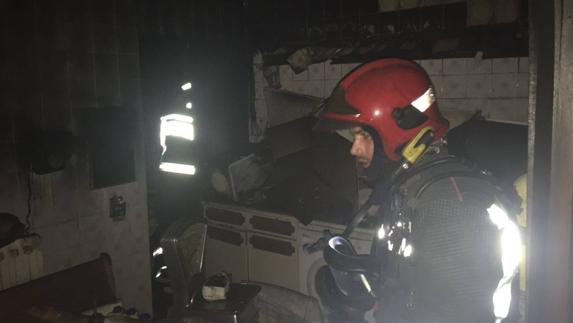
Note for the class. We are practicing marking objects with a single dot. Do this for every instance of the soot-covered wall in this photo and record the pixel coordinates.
(58, 59)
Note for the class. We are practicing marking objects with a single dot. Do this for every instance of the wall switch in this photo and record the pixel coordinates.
(117, 208)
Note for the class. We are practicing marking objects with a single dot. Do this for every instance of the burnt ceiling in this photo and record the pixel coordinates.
(359, 32)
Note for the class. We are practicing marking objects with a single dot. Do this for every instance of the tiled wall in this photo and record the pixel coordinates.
(497, 87)
(57, 58)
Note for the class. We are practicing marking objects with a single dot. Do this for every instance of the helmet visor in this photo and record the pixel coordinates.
(336, 106)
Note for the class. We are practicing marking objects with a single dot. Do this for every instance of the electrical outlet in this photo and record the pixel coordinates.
(117, 208)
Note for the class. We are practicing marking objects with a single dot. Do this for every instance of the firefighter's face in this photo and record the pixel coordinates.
(362, 147)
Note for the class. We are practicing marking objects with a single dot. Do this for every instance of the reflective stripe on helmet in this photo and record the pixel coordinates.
(425, 100)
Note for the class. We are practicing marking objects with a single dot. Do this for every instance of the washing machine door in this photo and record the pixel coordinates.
(337, 306)
(355, 275)
(311, 263)
(345, 296)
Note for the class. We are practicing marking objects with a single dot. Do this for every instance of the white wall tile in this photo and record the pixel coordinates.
(504, 85)
(287, 85)
(432, 66)
(260, 92)
(507, 110)
(438, 82)
(505, 65)
(302, 76)
(316, 71)
(450, 104)
(454, 66)
(524, 65)
(479, 66)
(329, 86)
(522, 85)
(261, 114)
(332, 71)
(476, 105)
(469, 105)
(285, 72)
(478, 86)
(260, 105)
(347, 68)
(314, 88)
(260, 78)
(454, 87)
(299, 87)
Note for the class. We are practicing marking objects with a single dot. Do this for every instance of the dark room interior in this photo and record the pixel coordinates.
(279, 161)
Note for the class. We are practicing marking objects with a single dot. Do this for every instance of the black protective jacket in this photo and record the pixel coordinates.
(455, 261)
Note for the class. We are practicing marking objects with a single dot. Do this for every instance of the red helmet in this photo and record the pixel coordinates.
(392, 96)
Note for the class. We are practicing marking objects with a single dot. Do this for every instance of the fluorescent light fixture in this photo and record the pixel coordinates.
(178, 168)
(188, 105)
(186, 86)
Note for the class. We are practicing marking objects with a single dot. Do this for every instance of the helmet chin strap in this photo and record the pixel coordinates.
(381, 167)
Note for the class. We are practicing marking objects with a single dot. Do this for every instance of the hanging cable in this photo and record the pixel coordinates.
(29, 202)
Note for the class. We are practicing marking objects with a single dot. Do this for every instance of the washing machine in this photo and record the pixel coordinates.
(309, 264)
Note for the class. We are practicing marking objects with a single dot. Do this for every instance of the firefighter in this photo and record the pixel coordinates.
(447, 245)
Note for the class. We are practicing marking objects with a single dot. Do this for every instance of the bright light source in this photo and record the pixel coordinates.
(510, 255)
(390, 245)
(366, 283)
(381, 232)
(159, 272)
(408, 251)
(402, 246)
(399, 224)
(502, 301)
(188, 105)
(157, 252)
(177, 125)
(498, 216)
(510, 248)
(186, 86)
(335, 242)
(178, 168)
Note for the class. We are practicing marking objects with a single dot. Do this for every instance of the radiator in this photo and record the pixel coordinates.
(20, 262)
